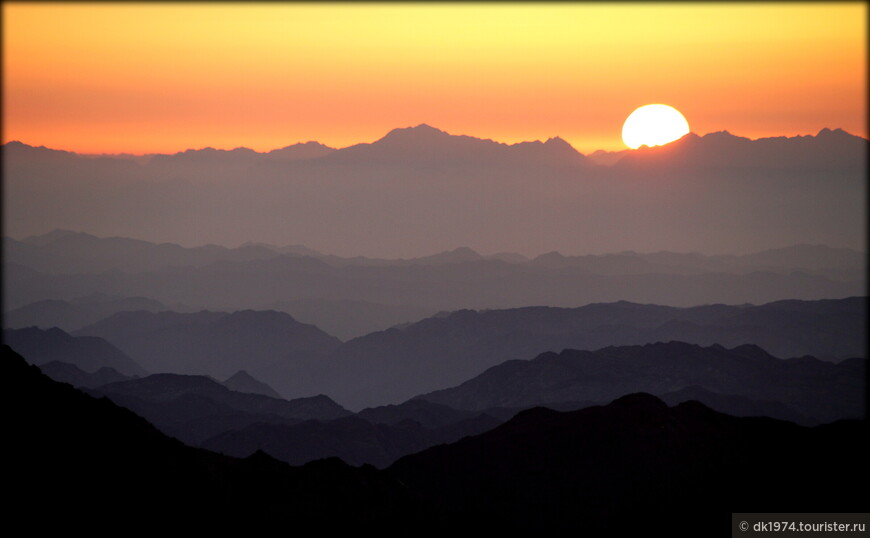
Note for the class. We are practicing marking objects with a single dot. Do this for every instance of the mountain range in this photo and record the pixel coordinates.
(85, 458)
(71, 280)
(619, 468)
(819, 390)
(87, 353)
(421, 186)
(391, 366)
(270, 345)
(604, 469)
(195, 408)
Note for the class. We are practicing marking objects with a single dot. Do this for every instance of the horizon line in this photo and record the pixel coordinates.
(529, 257)
(425, 125)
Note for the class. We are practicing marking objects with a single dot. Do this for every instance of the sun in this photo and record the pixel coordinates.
(653, 125)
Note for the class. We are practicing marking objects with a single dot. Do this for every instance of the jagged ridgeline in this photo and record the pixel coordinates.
(419, 189)
(599, 469)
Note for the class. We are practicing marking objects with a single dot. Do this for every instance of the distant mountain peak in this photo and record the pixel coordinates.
(300, 151)
(425, 127)
(58, 234)
(309, 144)
(639, 400)
(833, 133)
(242, 381)
(241, 374)
(722, 135)
(419, 133)
(557, 141)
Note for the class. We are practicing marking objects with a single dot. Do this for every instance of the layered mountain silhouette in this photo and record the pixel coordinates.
(807, 387)
(75, 455)
(75, 376)
(620, 468)
(424, 145)
(482, 412)
(88, 353)
(242, 381)
(65, 251)
(361, 295)
(827, 150)
(346, 319)
(68, 252)
(76, 313)
(603, 469)
(445, 350)
(269, 345)
(353, 439)
(195, 408)
(421, 186)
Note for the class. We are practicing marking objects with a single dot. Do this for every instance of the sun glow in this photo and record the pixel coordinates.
(161, 77)
(653, 125)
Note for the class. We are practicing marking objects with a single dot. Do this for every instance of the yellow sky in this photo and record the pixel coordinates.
(164, 77)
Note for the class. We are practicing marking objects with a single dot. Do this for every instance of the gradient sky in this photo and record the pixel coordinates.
(164, 77)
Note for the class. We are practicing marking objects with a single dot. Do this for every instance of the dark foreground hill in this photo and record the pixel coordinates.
(637, 464)
(77, 458)
(353, 439)
(623, 467)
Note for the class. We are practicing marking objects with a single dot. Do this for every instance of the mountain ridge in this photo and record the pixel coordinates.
(427, 132)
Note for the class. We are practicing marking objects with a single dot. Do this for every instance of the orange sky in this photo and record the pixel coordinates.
(164, 77)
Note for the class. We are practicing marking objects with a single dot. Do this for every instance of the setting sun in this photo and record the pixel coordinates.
(654, 125)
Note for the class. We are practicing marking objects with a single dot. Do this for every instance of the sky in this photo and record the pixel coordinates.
(165, 77)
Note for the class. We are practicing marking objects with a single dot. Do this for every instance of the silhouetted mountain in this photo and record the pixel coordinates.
(828, 150)
(353, 439)
(427, 414)
(194, 408)
(307, 150)
(737, 406)
(89, 353)
(349, 319)
(300, 250)
(64, 251)
(77, 313)
(75, 376)
(612, 469)
(242, 381)
(618, 469)
(421, 188)
(835, 263)
(200, 411)
(443, 351)
(427, 146)
(804, 257)
(68, 252)
(74, 454)
(270, 345)
(484, 283)
(818, 390)
(607, 158)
